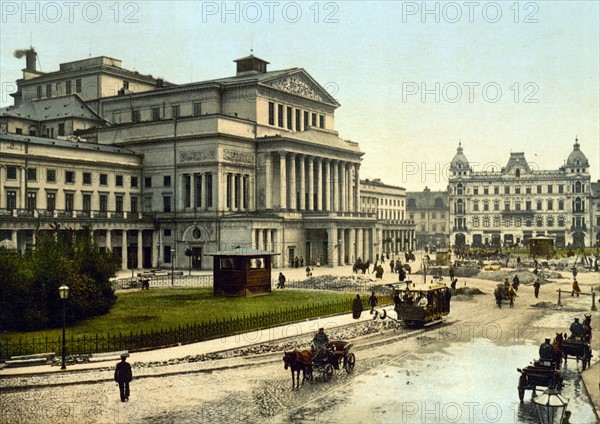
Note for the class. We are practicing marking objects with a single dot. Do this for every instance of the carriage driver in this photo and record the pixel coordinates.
(576, 328)
(320, 345)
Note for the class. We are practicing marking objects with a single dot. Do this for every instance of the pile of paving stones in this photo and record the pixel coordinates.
(525, 276)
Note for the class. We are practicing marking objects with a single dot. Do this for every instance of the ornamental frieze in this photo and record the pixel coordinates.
(238, 157)
(297, 86)
(195, 156)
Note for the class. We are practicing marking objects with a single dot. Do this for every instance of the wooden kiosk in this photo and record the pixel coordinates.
(541, 247)
(241, 272)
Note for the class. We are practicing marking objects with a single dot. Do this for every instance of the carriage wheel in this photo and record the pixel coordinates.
(328, 372)
(349, 362)
(521, 387)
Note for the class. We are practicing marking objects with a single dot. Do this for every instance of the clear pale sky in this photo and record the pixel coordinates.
(376, 58)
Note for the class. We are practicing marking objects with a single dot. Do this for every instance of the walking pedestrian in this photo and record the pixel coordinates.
(373, 302)
(451, 272)
(392, 266)
(357, 307)
(123, 377)
(576, 290)
(281, 282)
(536, 288)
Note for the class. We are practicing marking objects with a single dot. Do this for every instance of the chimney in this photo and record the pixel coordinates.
(31, 60)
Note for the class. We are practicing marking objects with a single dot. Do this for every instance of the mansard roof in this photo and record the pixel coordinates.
(69, 106)
(516, 161)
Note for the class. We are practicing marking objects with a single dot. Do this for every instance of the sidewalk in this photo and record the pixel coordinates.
(307, 327)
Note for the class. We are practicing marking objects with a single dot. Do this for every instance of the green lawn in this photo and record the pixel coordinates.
(165, 308)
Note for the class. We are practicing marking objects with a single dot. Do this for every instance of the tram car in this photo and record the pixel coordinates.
(421, 305)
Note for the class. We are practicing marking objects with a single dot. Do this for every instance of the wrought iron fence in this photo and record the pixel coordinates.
(164, 281)
(172, 336)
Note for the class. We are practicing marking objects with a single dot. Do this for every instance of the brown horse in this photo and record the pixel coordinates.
(298, 361)
(557, 345)
(587, 328)
(361, 266)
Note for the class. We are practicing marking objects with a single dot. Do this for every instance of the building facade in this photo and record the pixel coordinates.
(388, 204)
(595, 213)
(431, 214)
(511, 205)
(251, 160)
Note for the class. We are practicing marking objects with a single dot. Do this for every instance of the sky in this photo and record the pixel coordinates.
(413, 78)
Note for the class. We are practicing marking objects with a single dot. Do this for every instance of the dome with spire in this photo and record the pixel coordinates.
(460, 160)
(577, 158)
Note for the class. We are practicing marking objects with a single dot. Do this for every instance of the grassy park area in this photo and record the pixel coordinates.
(152, 310)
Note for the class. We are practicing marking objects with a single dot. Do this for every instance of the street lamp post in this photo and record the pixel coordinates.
(172, 266)
(550, 407)
(63, 291)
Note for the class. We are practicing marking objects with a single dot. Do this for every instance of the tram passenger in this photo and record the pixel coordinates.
(397, 299)
(421, 300)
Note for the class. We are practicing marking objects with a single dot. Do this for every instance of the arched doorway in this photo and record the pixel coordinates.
(194, 238)
(579, 239)
(477, 240)
(459, 240)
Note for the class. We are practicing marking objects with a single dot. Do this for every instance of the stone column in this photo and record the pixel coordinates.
(311, 183)
(22, 203)
(343, 200)
(319, 204)
(140, 250)
(293, 189)
(342, 246)
(154, 249)
(352, 257)
(124, 259)
(220, 192)
(282, 181)
(336, 186)
(269, 241)
(14, 238)
(359, 244)
(301, 159)
(379, 242)
(252, 192)
(327, 182)
(332, 250)
(357, 189)
(268, 180)
(260, 242)
(2, 189)
(108, 241)
(280, 260)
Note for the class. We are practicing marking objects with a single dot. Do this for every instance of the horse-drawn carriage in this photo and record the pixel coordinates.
(337, 355)
(423, 305)
(359, 265)
(545, 372)
(578, 344)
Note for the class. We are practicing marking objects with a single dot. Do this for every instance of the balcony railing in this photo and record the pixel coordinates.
(582, 227)
(64, 214)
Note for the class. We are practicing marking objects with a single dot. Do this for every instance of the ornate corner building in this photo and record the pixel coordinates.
(164, 173)
(508, 206)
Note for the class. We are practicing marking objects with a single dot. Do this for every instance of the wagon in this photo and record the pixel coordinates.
(423, 305)
(542, 373)
(578, 348)
(338, 353)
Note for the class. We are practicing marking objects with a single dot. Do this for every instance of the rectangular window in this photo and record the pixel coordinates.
(11, 172)
(31, 200)
(236, 191)
(280, 116)
(31, 174)
(50, 201)
(313, 120)
(322, 122)
(527, 189)
(517, 206)
(134, 204)
(70, 177)
(289, 117)
(103, 179)
(155, 113)
(69, 87)
(506, 189)
(228, 192)
(134, 181)
(475, 190)
(40, 91)
(198, 194)
(104, 203)
(135, 116)
(119, 203)
(167, 232)
(517, 189)
(126, 85)
(486, 190)
(11, 200)
(561, 188)
(61, 129)
(176, 109)
(550, 205)
(78, 85)
(197, 108)
(87, 202)
(48, 90)
(496, 206)
(166, 181)
(306, 123)
(87, 178)
(187, 195)
(167, 254)
(119, 180)
(148, 182)
(561, 205)
(550, 188)
(166, 203)
(496, 190)
(209, 191)
(298, 120)
(271, 113)
(69, 201)
(539, 205)
(506, 206)
(539, 189)
(19, 130)
(528, 205)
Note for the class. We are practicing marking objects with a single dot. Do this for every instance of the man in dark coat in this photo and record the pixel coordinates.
(123, 377)
(536, 288)
(373, 302)
(357, 307)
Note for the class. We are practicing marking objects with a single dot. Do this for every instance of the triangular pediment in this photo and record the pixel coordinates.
(300, 83)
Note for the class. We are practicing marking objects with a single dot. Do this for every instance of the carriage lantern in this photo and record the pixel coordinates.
(550, 407)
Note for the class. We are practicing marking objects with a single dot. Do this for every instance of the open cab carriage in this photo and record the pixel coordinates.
(545, 372)
(338, 356)
(422, 305)
(579, 348)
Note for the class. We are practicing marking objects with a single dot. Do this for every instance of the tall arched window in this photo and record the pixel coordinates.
(459, 206)
(517, 172)
(577, 186)
(459, 189)
(579, 205)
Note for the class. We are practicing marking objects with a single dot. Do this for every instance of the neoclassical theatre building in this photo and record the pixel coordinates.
(508, 206)
(166, 173)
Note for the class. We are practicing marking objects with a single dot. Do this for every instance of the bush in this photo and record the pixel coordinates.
(29, 283)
